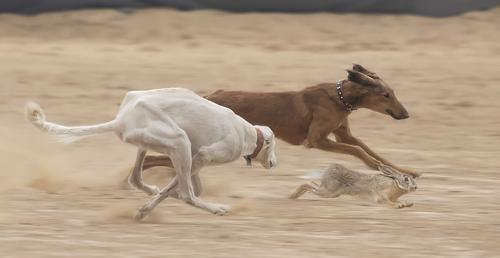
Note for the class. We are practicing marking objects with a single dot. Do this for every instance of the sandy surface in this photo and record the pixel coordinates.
(64, 201)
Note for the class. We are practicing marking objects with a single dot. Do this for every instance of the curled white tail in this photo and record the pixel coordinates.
(313, 175)
(66, 134)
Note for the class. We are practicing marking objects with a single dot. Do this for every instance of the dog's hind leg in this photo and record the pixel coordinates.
(179, 151)
(151, 161)
(163, 135)
(135, 178)
(153, 202)
(197, 187)
(168, 191)
(177, 146)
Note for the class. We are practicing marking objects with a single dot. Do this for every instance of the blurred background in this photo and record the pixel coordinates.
(78, 58)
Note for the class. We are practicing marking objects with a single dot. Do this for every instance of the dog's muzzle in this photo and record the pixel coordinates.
(402, 115)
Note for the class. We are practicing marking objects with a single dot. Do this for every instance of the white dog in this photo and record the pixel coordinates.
(190, 130)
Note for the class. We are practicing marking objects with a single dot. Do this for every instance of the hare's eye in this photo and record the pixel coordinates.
(406, 179)
(267, 142)
(387, 95)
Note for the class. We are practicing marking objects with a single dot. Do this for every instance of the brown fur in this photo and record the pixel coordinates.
(309, 116)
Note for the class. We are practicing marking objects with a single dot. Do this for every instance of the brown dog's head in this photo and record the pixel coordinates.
(375, 94)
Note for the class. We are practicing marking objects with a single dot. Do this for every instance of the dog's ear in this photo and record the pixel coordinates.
(361, 69)
(388, 171)
(360, 78)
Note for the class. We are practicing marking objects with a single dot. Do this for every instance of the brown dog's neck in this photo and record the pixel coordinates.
(349, 95)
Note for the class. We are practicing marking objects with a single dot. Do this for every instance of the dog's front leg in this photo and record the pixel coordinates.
(200, 159)
(359, 143)
(343, 135)
(329, 145)
(318, 138)
(185, 190)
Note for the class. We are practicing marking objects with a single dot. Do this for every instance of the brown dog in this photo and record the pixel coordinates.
(308, 116)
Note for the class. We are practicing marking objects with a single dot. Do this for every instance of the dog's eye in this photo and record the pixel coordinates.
(267, 142)
(387, 95)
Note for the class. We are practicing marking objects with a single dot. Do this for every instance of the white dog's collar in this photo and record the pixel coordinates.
(260, 144)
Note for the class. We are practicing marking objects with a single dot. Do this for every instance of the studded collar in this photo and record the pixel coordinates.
(347, 106)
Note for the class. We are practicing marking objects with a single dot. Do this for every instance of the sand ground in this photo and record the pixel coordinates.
(64, 200)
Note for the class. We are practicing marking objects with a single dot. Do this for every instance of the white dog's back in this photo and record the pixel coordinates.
(189, 111)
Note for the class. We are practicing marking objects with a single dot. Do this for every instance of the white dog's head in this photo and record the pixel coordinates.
(267, 155)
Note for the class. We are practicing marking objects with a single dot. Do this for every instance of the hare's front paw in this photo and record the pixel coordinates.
(408, 204)
(400, 205)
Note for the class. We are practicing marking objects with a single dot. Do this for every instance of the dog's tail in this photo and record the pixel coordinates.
(313, 175)
(65, 134)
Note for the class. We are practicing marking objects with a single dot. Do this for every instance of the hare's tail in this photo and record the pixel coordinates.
(65, 134)
(313, 175)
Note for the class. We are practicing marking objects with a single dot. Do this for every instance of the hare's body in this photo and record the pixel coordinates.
(337, 180)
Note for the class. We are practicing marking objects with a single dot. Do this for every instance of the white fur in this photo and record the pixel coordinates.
(313, 175)
(191, 130)
(64, 134)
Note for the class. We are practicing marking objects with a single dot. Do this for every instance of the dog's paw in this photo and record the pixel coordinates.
(141, 214)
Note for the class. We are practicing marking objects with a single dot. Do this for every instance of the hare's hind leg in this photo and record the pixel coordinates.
(396, 204)
(307, 187)
(330, 194)
(401, 205)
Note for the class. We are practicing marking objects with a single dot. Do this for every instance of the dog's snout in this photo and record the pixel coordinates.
(404, 114)
(271, 164)
(398, 116)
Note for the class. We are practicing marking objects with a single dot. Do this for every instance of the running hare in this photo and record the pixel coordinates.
(381, 188)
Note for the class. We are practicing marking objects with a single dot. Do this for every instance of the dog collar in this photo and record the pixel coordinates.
(347, 106)
(260, 143)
